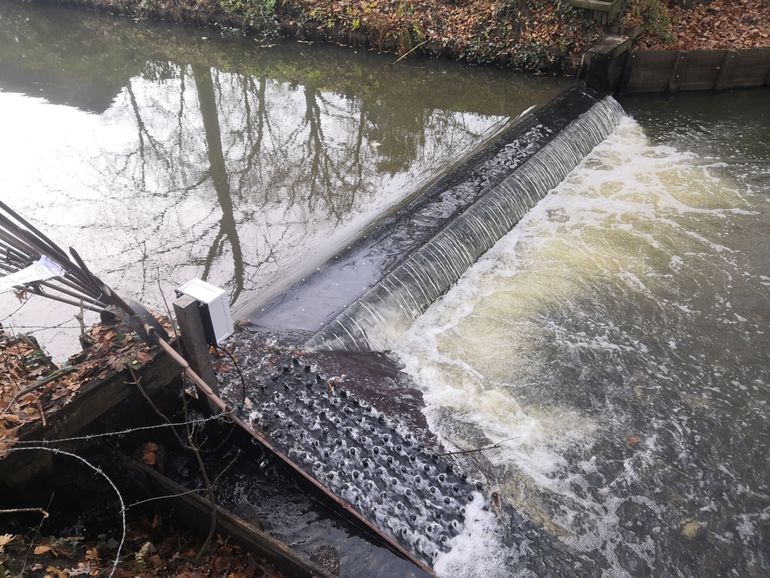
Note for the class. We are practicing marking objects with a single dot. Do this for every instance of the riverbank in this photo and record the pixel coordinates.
(59, 519)
(696, 25)
(531, 35)
(535, 35)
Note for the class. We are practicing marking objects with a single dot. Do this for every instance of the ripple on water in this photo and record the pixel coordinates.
(616, 340)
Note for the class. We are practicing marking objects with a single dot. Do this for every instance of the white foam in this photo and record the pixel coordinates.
(478, 549)
(633, 217)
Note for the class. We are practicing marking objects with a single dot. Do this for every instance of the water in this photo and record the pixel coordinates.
(616, 343)
(431, 269)
(167, 153)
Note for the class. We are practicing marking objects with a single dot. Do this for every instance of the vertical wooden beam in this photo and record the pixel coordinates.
(188, 316)
(723, 77)
(604, 66)
(625, 76)
(676, 74)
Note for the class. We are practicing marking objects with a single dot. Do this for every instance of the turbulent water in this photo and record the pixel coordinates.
(616, 345)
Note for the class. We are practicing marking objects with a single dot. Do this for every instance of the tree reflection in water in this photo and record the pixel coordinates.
(217, 159)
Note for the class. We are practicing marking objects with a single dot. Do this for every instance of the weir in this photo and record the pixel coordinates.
(429, 271)
(402, 264)
(347, 424)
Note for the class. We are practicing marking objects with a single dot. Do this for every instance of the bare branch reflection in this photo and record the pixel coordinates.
(276, 158)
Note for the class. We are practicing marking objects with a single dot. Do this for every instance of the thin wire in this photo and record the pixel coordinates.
(44, 327)
(14, 312)
(123, 432)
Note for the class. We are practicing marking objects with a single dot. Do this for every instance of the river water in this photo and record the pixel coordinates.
(167, 153)
(616, 345)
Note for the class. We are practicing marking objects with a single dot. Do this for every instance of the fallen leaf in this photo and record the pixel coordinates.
(42, 549)
(92, 554)
(221, 563)
(143, 357)
(59, 573)
(150, 453)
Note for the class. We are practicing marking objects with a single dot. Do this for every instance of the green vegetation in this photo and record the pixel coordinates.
(534, 35)
(255, 13)
(655, 19)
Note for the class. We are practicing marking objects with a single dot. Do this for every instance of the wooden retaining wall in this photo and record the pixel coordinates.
(672, 71)
(613, 68)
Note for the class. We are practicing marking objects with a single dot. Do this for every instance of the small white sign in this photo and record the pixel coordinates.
(44, 268)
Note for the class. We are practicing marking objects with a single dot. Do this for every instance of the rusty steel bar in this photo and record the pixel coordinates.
(37, 291)
(53, 246)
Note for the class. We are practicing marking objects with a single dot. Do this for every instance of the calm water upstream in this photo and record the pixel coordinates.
(171, 153)
(617, 344)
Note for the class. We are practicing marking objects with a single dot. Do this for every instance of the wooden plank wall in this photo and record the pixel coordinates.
(672, 71)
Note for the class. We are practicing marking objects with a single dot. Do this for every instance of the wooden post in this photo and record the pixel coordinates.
(604, 64)
(723, 77)
(188, 315)
(625, 76)
(676, 73)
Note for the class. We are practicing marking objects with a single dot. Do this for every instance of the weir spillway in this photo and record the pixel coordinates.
(385, 466)
(410, 257)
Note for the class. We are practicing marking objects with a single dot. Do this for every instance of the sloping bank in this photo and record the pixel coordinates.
(532, 35)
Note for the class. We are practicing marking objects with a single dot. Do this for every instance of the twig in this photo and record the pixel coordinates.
(190, 445)
(185, 493)
(154, 407)
(42, 413)
(493, 446)
(227, 467)
(24, 510)
(30, 388)
(240, 374)
(57, 451)
(209, 489)
(35, 535)
(80, 317)
(168, 496)
(168, 309)
(14, 312)
(408, 53)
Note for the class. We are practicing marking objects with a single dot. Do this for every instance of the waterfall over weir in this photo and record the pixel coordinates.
(428, 271)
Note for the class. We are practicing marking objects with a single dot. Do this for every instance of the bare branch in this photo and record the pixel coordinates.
(43, 512)
(473, 451)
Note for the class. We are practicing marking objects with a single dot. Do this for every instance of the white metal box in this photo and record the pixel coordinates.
(215, 310)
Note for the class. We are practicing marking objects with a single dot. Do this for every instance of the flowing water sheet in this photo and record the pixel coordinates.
(616, 343)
